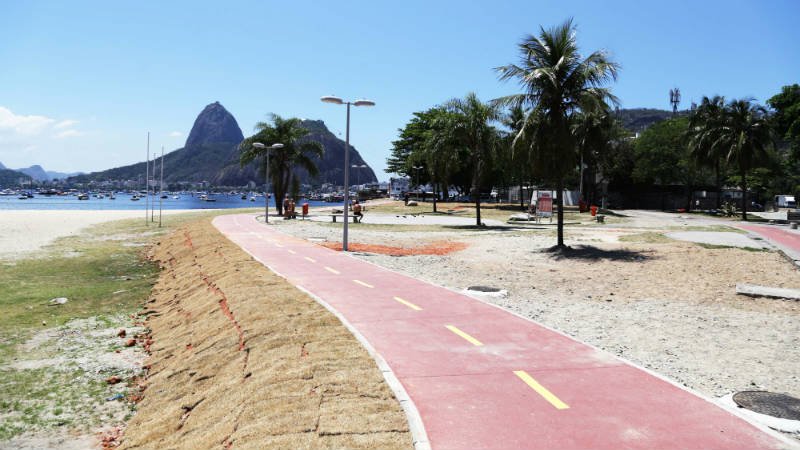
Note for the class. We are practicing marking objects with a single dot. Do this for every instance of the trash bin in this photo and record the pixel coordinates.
(594, 210)
(305, 209)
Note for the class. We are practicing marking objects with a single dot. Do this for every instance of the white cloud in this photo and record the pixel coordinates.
(65, 124)
(68, 133)
(176, 134)
(34, 139)
(11, 123)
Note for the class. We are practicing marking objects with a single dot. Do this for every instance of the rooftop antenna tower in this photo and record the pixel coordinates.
(674, 99)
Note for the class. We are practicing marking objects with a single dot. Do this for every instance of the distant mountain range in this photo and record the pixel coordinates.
(39, 174)
(211, 154)
(11, 178)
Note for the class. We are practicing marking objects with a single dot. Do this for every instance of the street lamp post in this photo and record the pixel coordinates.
(275, 146)
(416, 171)
(358, 174)
(339, 101)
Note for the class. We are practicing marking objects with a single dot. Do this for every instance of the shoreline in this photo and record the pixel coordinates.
(25, 231)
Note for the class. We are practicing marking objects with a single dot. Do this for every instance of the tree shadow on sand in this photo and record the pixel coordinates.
(589, 253)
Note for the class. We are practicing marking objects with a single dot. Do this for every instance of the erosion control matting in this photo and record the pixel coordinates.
(242, 359)
(770, 403)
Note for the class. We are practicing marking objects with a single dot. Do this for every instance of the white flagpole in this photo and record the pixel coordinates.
(161, 188)
(146, 178)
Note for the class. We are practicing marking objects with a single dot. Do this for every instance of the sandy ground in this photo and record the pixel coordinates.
(664, 304)
(25, 231)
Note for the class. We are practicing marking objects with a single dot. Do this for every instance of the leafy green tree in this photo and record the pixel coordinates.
(557, 81)
(745, 137)
(470, 128)
(663, 157)
(411, 140)
(786, 122)
(596, 134)
(786, 118)
(296, 152)
(513, 164)
(425, 142)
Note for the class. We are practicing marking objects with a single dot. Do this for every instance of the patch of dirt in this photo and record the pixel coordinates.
(433, 248)
(54, 394)
(242, 359)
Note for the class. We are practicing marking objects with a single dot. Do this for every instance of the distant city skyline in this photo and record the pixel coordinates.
(83, 83)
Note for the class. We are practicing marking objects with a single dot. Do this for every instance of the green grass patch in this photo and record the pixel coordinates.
(46, 398)
(708, 228)
(104, 273)
(717, 247)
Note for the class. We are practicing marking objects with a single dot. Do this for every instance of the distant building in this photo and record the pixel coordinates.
(397, 186)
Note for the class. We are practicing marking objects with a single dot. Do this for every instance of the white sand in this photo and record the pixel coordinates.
(24, 231)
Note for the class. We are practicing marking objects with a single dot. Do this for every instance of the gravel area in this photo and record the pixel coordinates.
(667, 305)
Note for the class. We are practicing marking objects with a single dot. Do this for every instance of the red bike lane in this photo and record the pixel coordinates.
(483, 378)
(786, 240)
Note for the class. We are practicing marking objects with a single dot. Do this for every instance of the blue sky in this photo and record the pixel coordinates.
(82, 82)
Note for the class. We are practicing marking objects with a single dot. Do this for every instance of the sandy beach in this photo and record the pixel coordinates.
(25, 231)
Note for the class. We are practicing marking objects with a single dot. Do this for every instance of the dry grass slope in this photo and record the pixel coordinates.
(242, 359)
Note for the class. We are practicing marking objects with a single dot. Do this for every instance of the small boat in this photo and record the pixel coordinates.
(83, 196)
(135, 198)
(252, 199)
(22, 197)
(175, 197)
(112, 196)
(244, 196)
(164, 196)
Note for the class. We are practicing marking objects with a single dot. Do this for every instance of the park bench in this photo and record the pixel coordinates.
(356, 219)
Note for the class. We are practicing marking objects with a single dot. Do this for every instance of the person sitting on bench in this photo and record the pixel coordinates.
(357, 211)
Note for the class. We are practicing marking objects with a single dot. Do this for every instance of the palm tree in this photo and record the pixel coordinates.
(594, 133)
(470, 128)
(518, 160)
(557, 82)
(296, 152)
(704, 128)
(744, 137)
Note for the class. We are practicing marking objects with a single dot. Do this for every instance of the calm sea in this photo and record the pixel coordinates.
(123, 201)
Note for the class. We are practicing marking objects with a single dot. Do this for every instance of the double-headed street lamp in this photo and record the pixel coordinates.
(339, 101)
(275, 146)
(358, 174)
(417, 169)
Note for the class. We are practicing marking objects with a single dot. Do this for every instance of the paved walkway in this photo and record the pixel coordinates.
(784, 238)
(483, 378)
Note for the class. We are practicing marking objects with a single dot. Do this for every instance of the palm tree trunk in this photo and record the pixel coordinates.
(521, 197)
(718, 185)
(689, 193)
(560, 205)
(477, 194)
(435, 196)
(476, 183)
(744, 194)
